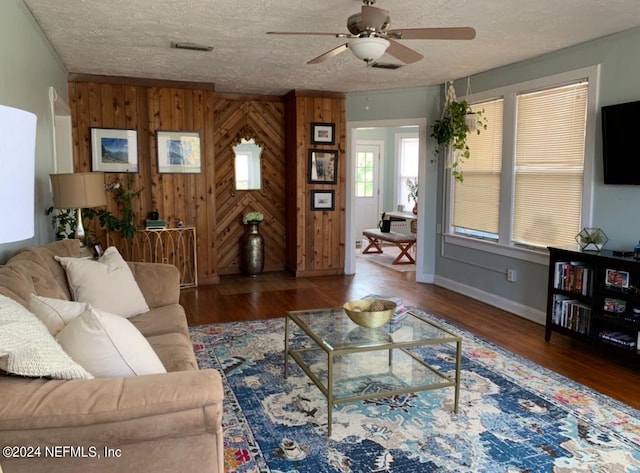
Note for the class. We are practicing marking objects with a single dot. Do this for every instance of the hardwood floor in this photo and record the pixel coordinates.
(272, 294)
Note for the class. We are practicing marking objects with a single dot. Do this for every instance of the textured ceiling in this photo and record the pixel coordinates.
(133, 37)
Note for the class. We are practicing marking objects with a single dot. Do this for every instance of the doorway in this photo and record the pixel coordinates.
(427, 181)
(369, 161)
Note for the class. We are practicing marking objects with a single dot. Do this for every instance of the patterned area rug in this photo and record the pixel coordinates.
(514, 415)
(386, 259)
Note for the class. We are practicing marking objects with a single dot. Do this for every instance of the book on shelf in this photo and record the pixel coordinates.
(573, 277)
(570, 313)
(155, 224)
(622, 339)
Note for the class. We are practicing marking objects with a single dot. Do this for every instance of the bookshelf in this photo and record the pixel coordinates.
(594, 296)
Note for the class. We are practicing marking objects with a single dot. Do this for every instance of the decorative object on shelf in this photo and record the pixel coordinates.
(412, 185)
(370, 313)
(322, 200)
(178, 152)
(80, 190)
(252, 245)
(154, 215)
(591, 239)
(323, 166)
(323, 133)
(114, 150)
(451, 130)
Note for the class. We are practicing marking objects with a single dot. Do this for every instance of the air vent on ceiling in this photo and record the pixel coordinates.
(386, 65)
(192, 46)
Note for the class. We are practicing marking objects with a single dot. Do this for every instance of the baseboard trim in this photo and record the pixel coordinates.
(520, 310)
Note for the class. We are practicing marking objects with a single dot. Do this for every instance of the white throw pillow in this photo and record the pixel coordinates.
(28, 349)
(108, 345)
(55, 313)
(107, 284)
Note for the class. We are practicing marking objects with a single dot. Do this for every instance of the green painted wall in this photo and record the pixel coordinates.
(28, 67)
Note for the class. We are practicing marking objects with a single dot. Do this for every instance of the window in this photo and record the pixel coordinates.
(364, 174)
(528, 182)
(407, 148)
(477, 200)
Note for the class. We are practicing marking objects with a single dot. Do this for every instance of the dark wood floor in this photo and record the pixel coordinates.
(272, 294)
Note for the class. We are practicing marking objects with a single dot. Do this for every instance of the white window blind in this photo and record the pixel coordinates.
(477, 199)
(549, 165)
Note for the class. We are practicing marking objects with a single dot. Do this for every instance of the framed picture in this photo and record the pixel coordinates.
(323, 133)
(178, 152)
(322, 200)
(323, 166)
(114, 150)
(617, 278)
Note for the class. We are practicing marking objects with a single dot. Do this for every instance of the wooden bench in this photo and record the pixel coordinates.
(404, 242)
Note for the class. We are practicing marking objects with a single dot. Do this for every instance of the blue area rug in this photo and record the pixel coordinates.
(514, 416)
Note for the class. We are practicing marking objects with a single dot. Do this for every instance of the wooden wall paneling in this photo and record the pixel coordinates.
(206, 207)
(266, 120)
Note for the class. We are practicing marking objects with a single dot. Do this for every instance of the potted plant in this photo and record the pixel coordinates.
(451, 132)
(64, 222)
(412, 185)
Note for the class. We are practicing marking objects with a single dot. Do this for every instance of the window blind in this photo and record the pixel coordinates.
(477, 199)
(549, 165)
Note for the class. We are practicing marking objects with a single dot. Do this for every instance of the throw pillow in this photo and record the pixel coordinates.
(55, 313)
(28, 349)
(107, 284)
(108, 345)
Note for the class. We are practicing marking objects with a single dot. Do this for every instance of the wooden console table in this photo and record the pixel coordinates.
(176, 246)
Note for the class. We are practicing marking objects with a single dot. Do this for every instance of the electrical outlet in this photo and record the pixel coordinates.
(438, 228)
(512, 275)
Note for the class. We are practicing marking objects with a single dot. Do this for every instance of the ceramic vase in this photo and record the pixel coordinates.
(252, 250)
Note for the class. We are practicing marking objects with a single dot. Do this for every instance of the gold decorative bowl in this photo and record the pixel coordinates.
(360, 312)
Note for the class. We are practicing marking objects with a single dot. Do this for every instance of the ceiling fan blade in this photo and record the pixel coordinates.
(401, 52)
(310, 33)
(433, 33)
(374, 19)
(329, 54)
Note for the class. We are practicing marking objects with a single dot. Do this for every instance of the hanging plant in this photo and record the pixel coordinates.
(451, 132)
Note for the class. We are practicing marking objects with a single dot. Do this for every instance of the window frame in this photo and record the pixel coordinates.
(509, 94)
(398, 137)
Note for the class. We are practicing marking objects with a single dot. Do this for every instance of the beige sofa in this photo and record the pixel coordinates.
(170, 422)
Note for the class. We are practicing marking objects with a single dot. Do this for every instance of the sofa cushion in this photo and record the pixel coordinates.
(108, 345)
(175, 350)
(28, 349)
(106, 284)
(55, 313)
(45, 275)
(166, 319)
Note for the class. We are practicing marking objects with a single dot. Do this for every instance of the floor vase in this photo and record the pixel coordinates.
(252, 250)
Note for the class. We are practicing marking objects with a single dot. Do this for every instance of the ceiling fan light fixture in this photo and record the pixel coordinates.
(369, 48)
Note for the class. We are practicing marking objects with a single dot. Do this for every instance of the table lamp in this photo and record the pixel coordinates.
(78, 190)
(17, 174)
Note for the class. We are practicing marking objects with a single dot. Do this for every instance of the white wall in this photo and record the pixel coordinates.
(28, 67)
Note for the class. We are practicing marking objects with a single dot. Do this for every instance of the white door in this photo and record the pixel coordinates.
(367, 198)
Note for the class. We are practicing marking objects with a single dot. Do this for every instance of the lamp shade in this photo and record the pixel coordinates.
(368, 49)
(17, 173)
(78, 190)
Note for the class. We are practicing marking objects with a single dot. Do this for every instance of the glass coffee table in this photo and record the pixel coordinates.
(342, 358)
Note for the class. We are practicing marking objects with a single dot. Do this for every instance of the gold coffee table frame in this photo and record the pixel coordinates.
(332, 334)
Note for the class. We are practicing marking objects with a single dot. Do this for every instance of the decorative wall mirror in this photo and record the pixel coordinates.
(248, 175)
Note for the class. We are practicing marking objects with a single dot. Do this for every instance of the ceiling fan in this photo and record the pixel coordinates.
(370, 36)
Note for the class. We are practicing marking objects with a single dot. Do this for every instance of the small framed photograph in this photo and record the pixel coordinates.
(114, 150)
(323, 166)
(179, 152)
(323, 133)
(617, 278)
(617, 306)
(322, 200)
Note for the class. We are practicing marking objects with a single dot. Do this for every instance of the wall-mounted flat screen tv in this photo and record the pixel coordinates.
(619, 151)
